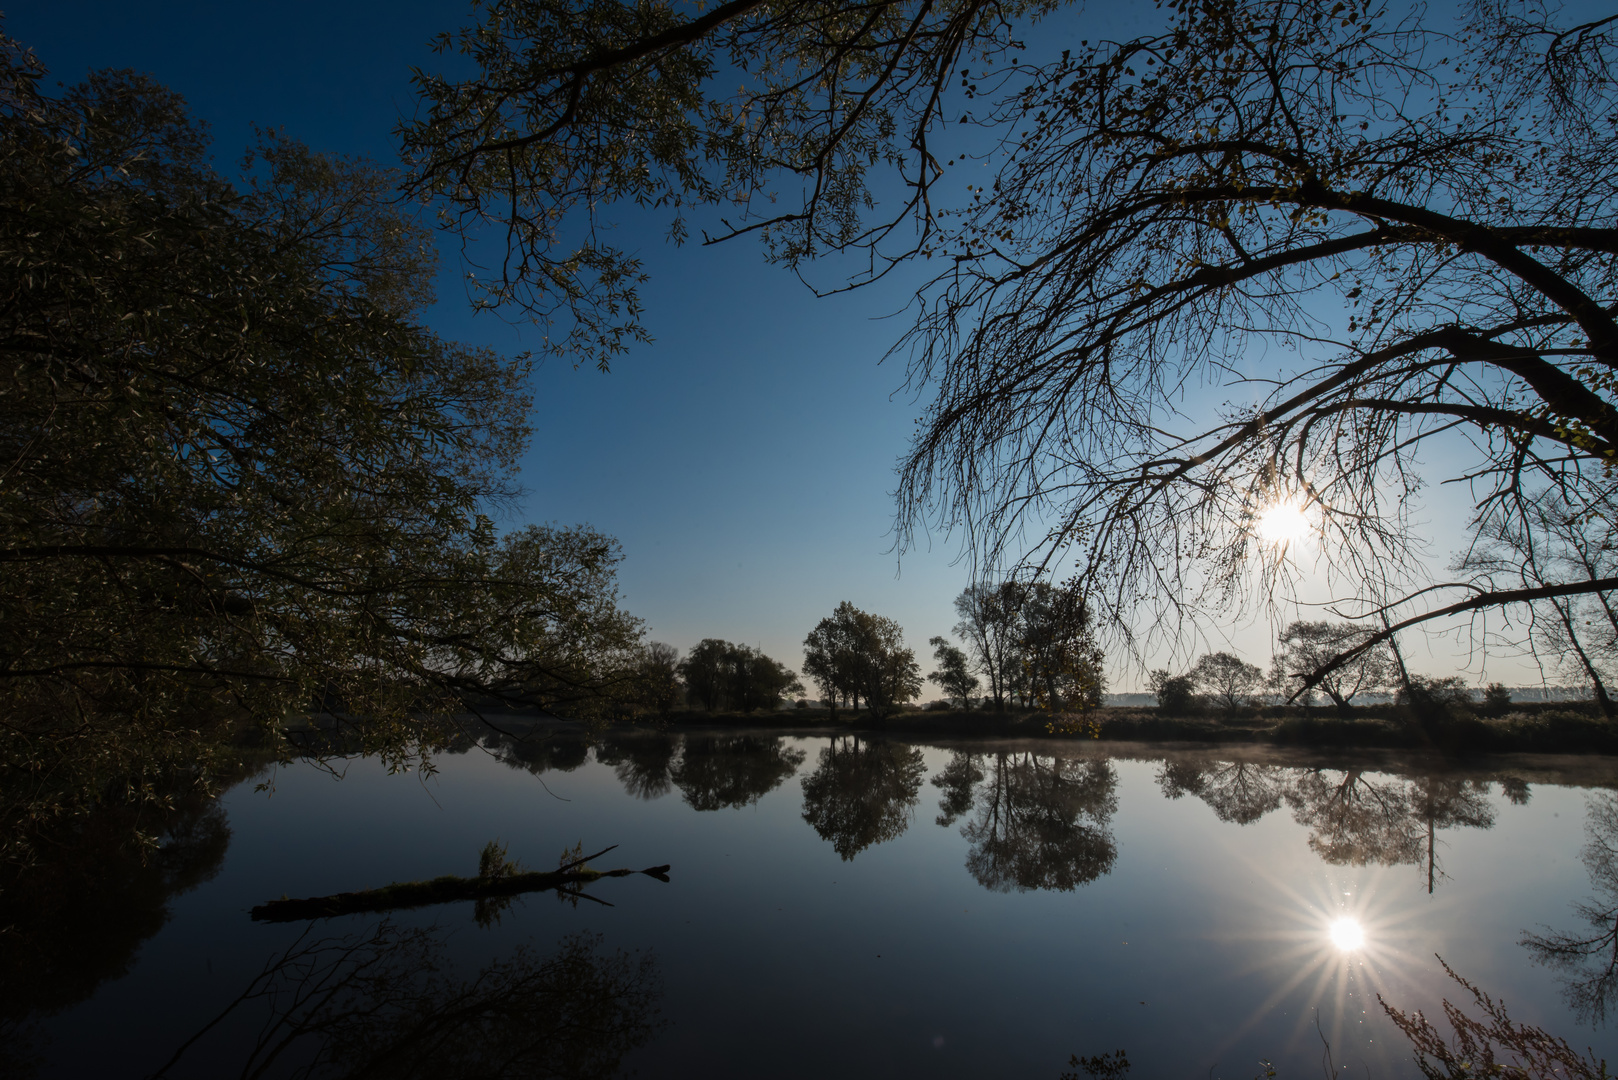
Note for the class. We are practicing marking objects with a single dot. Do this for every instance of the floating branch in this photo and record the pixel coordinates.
(502, 883)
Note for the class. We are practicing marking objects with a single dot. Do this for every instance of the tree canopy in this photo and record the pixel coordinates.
(1374, 228)
(241, 478)
(853, 655)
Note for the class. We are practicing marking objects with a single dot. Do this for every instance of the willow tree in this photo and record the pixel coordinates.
(1375, 232)
(240, 477)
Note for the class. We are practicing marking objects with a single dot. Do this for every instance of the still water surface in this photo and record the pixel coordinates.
(848, 907)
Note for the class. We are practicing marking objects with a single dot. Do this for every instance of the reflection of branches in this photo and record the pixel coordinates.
(641, 762)
(956, 780)
(1445, 802)
(715, 772)
(861, 794)
(1355, 820)
(1042, 823)
(384, 1003)
(1589, 961)
(1238, 791)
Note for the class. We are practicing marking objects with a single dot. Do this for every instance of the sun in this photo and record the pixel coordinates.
(1285, 523)
(1347, 934)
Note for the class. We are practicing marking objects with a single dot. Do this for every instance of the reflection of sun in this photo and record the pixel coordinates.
(1333, 946)
(1347, 934)
(1284, 523)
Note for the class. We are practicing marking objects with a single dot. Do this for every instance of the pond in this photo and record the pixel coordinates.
(844, 906)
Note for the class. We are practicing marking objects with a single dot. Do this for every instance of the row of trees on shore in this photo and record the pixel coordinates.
(1030, 643)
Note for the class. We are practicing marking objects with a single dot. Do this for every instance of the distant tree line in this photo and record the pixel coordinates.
(1225, 683)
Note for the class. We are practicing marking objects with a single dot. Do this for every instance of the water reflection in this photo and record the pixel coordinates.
(1588, 959)
(1042, 822)
(957, 781)
(386, 1002)
(642, 763)
(719, 771)
(76, 916)
(538, 754)
(861, 792)
(1240, 792)
(1347, 934)
(1356, 819)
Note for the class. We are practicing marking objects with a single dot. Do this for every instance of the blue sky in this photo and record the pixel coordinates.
(744, 459)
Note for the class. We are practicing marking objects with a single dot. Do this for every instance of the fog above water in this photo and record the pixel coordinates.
(852, 906)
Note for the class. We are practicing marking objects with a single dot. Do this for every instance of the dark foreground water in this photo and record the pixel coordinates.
(848, 908)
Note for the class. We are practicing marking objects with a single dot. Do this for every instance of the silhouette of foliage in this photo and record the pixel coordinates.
(243, 478)
(1426, 246)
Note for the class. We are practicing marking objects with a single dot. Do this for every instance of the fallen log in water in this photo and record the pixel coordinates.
(444, 890)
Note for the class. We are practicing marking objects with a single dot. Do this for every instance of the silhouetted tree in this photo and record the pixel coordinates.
(1536, 544)
(861, 793)
(1308, 647)
(658, 678)
(1176, 694)
(854, 655)
(721, 674)
(243, 478)
(1229, 681)
(1059, 655)
(1159, 209)
(989, 616)
(954, 675)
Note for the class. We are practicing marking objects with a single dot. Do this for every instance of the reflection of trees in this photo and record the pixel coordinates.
(386, 1003)
(543, 754)
(1447, 802)
(1353, 819)
(956, 780)
(1357, 820)
(75, 917)
(861, 793)
(718, 771)
(642, 763)
(1588, 960)
(1042, 823)
(1237, 791)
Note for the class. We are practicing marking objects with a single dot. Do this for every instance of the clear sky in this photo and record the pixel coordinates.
(744, 459)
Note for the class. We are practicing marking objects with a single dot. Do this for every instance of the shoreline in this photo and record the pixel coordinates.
(1540, 728)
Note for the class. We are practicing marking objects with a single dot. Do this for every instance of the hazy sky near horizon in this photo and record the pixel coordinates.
(745, 459)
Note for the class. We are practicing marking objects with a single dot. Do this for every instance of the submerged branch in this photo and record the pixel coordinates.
(443, 890)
